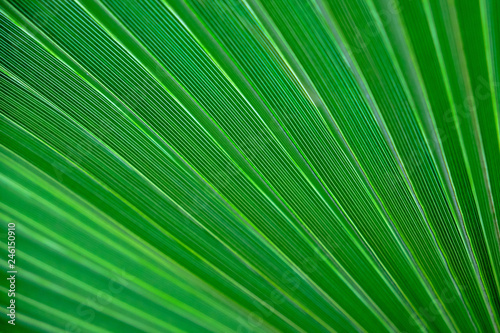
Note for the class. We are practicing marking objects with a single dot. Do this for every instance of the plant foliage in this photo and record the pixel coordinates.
(251, 165)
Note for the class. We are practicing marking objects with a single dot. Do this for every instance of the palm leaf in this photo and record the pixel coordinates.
(251, 166)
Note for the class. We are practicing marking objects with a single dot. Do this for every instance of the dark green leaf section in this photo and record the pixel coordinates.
(252, 166)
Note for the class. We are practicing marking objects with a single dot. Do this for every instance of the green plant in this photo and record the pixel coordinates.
(251, 166)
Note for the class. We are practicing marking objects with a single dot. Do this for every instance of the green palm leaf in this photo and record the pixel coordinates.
(250, 166)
